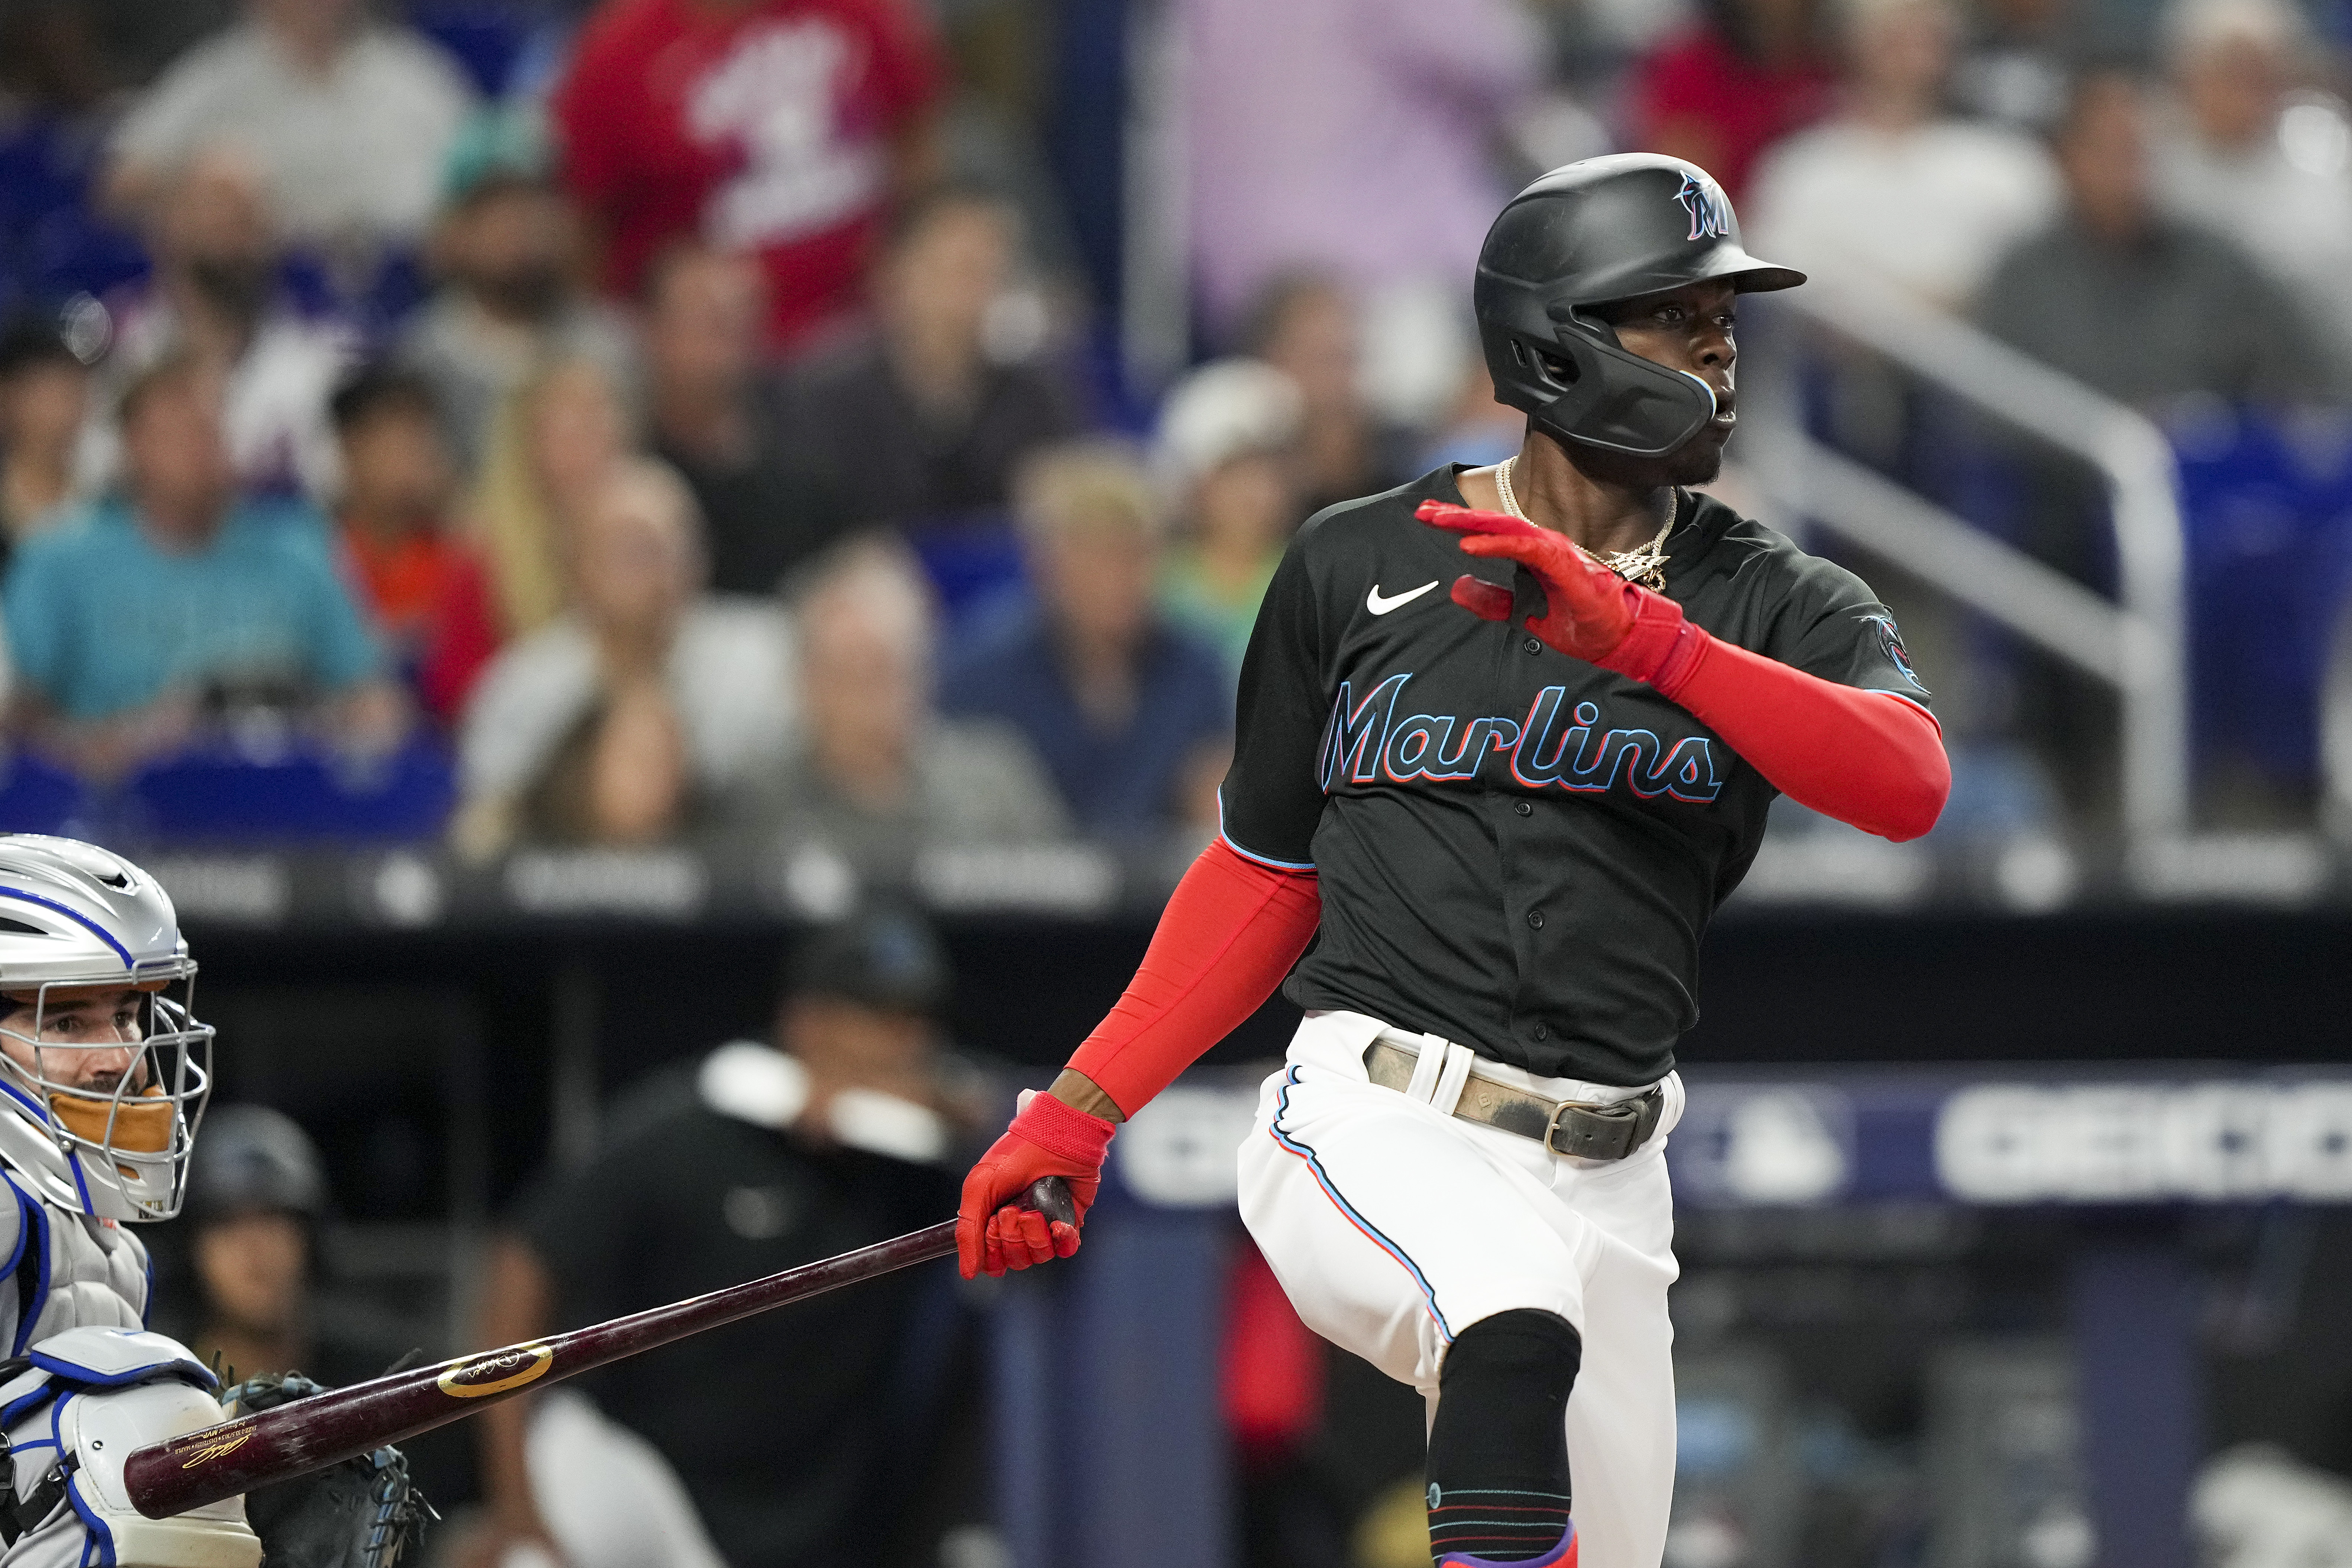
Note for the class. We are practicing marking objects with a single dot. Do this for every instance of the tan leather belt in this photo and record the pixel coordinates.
(1581, 1128)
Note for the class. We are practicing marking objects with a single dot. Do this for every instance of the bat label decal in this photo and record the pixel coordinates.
(497, 1372)
(212, 1448)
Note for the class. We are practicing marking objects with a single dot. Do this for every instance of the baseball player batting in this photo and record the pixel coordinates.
(1507, 738)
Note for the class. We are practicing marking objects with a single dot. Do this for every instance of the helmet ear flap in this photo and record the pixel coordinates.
(1539, 363)
(1620, 402)
(1564, 369)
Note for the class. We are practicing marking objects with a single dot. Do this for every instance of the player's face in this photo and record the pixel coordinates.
(846, 1044)
(252, 1268)
(395, 466)
(704, 330)
(1688, 328)
(89, 1036)
(174, 448)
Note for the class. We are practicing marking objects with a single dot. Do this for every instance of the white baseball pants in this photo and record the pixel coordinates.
(1393, 1226)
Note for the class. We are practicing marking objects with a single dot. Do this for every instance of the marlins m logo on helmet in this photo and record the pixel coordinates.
(1709, 209)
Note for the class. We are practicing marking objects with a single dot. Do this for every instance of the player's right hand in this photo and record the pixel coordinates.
(1588, 610)
(1047, 1138)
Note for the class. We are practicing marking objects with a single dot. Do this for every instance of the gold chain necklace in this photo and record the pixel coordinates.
(1646, 565)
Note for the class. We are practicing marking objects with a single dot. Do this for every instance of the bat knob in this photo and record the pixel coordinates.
(1050, 1196)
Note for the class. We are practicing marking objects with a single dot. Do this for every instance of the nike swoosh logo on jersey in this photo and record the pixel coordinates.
(1380, 607)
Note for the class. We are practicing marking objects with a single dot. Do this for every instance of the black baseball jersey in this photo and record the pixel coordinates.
(1516, 850)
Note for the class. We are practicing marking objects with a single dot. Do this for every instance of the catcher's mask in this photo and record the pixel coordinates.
(103, 1066)
(1586, 236)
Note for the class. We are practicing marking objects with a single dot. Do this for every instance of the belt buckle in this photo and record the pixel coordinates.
(1619, 1134)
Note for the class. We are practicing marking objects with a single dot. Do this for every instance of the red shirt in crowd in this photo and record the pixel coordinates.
(1698, 98)
(430, 600)
(763, 125)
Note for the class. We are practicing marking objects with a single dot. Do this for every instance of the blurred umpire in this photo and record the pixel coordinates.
(826, 1435)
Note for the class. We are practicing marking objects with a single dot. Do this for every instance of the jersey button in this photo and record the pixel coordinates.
(1543, 1031)
(1525, 808)
(1535, 920)
(1533, 645)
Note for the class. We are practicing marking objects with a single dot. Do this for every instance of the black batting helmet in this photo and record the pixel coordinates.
(1585, 235)
(253, 1160)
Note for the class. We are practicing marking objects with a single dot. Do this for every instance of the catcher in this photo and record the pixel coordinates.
(104, 1076)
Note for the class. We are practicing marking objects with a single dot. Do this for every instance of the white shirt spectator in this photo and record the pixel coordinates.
(2287, 199)
(731, 677)
(355, 153)
(1927, 211)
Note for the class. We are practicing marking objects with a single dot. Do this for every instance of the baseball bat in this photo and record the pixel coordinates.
(293, 1439)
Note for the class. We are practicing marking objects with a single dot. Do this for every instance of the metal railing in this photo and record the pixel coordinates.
(2137, 644)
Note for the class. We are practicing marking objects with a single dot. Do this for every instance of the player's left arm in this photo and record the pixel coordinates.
(1871, 758)
(1874, 759)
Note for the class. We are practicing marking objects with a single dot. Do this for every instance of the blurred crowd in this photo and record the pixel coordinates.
(699, 420)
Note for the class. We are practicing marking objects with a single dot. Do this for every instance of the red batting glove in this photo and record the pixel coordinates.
(1047, 1138)
(1590, 612)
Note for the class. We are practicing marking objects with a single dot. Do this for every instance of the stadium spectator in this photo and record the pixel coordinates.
(782, 128)
(507, 249)
(1348, 135)
(1891, 189)
(554, 444)
(878, 775)
(256, 1193)
(216, 291)
(1225, 459)
(1132, 716)
(2239, 158)
(917, 420)
(826, 1136)
(128, 622)
(425, 586)
(44, 406)
(623, 720)
(1720, 92)
(2014, 69)
(349, 118)
(1305, 325)
(714, 417)
(2141, 306)
(52, 62)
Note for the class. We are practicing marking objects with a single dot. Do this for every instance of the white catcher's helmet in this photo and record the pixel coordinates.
(74, 916)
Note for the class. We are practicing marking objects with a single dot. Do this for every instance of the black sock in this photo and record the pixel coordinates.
(1498, 1449)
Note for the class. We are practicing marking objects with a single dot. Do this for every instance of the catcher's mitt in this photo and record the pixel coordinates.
(363, 1513)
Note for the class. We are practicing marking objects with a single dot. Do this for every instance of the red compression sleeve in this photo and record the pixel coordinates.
(1229, 934)
(1868, 758)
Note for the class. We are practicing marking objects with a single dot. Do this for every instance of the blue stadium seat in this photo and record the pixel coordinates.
(74, 251)
(974, 564)
(213, 793)
(487, 37)
(53, 243)
(2268, 503)
(38, 796)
